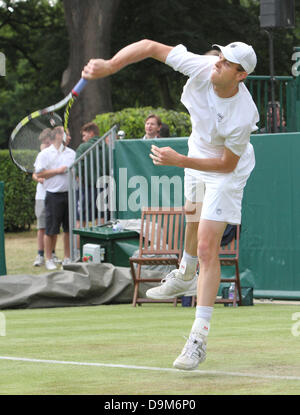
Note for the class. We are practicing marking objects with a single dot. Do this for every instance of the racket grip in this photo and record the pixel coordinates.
(79, 86)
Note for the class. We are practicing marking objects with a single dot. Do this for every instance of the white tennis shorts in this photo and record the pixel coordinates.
(219, 194)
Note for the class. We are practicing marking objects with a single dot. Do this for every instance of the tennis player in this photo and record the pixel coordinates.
(219, 162)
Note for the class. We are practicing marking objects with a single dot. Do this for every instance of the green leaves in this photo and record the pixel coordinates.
(34, 40)
(132, 121)
(19, 195)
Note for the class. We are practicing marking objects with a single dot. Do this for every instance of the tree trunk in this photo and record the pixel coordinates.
(164, 92)
(89, 25)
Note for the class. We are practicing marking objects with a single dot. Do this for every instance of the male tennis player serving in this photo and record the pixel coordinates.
(218, 164)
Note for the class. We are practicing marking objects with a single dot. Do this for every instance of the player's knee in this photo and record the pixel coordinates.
(206, 251)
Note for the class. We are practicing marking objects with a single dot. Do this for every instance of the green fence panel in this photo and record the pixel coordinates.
(270, 238)
(2, 247)
(270, 245)
(140, 183)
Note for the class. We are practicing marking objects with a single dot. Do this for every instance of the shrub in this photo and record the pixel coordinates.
(19, 195)
(132, 121)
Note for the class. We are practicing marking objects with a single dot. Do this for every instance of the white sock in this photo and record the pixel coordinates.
(200, 328)
(188, 266)
(201, 324)
(204, 312)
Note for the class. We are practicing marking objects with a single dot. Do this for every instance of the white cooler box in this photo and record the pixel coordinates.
(93, 253)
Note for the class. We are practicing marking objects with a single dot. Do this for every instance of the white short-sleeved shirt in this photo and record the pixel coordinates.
(50, 158)
(216, 122)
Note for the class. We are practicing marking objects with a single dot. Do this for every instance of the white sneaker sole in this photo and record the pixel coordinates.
(50, 268)
(182, 366)
(157, 296)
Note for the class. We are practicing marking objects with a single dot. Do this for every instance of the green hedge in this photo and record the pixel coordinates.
(19, 195)
(132, 121)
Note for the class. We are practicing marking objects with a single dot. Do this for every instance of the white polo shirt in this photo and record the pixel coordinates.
(216, 122)
(50, 158)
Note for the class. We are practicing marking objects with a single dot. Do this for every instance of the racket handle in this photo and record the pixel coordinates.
(79, 86)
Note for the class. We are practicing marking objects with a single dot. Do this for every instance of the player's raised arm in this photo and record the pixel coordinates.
(136, 52)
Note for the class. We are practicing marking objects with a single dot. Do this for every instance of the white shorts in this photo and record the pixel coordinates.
(40, 213)
(216, 196)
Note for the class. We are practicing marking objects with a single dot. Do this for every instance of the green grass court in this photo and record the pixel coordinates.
(119, 349)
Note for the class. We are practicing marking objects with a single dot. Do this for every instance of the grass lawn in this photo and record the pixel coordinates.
(21, 250)
(122, 350)
(251, 350)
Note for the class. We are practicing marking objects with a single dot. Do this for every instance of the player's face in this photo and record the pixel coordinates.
(151, 128)
(225, 72)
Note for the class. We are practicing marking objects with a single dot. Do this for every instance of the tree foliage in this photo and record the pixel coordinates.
(35, 40)
(19, 194)
(197, 25)
(132, 121)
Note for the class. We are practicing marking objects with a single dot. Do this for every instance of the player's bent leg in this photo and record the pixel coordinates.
(182, 281)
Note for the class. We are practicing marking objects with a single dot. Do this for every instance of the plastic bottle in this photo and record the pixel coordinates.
(231, 293)
(117, 227)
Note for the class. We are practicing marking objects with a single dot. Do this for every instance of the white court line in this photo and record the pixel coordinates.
(160, 369)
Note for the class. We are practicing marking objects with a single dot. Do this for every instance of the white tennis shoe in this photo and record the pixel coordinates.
(50, 265)
(172, 286)
(193, 353)
(39, 261)
(56, 259)
(66, 261)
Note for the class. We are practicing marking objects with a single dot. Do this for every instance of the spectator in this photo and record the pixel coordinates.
(164, 131)
(45, 139)
(152, 126)
(280, 125)
(51, 165)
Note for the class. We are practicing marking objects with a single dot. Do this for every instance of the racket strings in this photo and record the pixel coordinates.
(30, 137)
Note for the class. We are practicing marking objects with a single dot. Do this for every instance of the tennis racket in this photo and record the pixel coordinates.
(32, 133)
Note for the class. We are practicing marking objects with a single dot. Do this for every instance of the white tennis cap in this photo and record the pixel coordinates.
(239, 52)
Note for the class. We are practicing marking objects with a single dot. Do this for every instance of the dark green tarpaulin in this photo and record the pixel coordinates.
(270, 240)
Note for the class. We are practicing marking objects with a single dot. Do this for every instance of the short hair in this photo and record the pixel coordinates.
(158, 120)
(213, 52)
(240, 68)
(164, 132)
(90, 126)
(45, 134)
(57, 130)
